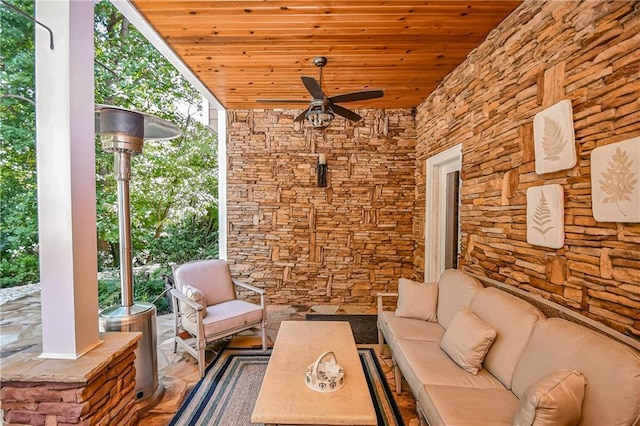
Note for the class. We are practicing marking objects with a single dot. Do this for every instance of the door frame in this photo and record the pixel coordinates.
(437, 168)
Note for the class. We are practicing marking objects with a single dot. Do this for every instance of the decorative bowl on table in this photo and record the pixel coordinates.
(325, 375)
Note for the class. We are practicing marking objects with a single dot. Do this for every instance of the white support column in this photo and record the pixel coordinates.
(66, 178)
(222, 184)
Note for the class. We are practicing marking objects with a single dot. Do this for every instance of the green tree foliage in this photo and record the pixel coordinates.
(174, 210)
(174, 184)
(18, 214)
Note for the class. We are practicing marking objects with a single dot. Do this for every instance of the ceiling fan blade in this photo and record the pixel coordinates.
(313, 87)
(346, 113)
(283, 101)
(301, 117)
(357, 96)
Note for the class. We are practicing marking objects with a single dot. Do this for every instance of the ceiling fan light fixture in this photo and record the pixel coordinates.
(320, 115)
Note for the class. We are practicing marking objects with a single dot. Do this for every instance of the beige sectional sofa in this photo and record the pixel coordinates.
(528, 351)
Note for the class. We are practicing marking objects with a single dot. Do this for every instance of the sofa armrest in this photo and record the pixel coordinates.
(383, 295)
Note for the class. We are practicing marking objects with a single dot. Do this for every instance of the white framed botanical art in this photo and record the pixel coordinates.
(545, 216)
(615, 182)
(554, 138)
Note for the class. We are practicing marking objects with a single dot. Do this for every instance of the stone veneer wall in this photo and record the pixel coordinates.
(108, 398)
(307, 245)
(588, 52)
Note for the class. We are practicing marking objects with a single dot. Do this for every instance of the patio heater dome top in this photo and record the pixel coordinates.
(155, 128)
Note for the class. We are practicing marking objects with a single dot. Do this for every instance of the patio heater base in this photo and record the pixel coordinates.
(147, 403)
(140, 317)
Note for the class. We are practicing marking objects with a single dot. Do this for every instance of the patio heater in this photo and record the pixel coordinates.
(123, 132)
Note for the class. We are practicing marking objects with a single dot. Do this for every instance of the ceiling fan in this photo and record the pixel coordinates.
(321, 110)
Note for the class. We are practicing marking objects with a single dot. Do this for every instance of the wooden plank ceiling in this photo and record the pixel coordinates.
(247, 50)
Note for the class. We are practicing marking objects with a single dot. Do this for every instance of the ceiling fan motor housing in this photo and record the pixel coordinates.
(320, 61)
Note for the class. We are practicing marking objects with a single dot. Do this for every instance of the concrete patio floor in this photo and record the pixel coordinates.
(20, 332)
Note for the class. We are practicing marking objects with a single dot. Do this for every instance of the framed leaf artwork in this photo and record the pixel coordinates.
(554, 138)
(615, 182)
(545, 216)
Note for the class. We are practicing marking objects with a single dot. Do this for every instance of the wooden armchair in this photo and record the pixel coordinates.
(205, 305)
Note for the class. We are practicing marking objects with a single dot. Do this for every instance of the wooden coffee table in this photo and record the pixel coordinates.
(284, 397)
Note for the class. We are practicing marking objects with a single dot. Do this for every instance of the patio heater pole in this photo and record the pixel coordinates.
(123, 133)
(122, 169)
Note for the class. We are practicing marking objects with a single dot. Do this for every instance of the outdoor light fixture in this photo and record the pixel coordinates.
(319, 115)
(322, 171)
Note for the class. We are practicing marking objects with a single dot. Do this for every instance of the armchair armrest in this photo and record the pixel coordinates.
(383, 295)
(262, 294)
(249, 287)
(181, 297)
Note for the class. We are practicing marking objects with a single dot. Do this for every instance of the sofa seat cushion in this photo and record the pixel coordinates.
(424, 363)
(513, 319)
(612, 370)
(453, 405)
(224, 317)
(409, 329)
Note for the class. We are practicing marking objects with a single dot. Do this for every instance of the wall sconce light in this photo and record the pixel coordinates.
(322, 171)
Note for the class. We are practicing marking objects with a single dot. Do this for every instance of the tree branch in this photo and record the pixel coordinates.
(22, 98)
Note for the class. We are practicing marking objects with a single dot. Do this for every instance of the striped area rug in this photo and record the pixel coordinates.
(227, 393)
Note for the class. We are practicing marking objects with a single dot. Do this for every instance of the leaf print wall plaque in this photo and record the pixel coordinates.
(545, 216)
(554, 138)
(615, 182)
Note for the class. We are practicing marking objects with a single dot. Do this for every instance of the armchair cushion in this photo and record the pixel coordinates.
(227, 316)
(198, 297)
(211, 277)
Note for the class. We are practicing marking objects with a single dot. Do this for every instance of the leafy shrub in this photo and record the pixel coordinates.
(186, 241)
(147, 287)
(19, 270)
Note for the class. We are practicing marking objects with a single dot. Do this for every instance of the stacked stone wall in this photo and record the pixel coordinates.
(308, 245)
(108, 398)
(587, 52)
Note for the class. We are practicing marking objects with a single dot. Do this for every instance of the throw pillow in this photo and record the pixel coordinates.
(467, 340)
(417, 300)
(556, 399)
(197, 296)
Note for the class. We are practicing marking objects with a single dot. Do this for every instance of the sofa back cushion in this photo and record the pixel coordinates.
(612, 370)
(513, 319)
(455, 290)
